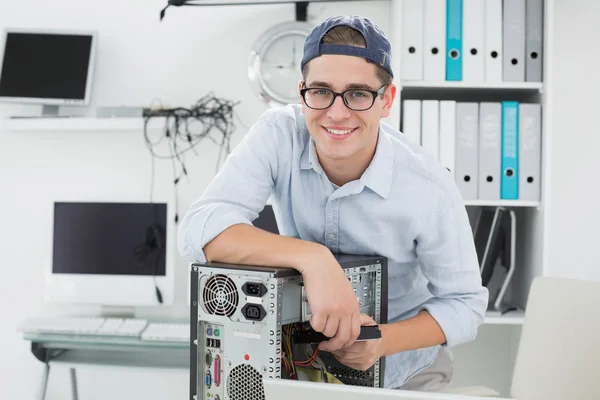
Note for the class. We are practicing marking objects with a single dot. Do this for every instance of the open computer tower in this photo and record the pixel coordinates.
(250, 323)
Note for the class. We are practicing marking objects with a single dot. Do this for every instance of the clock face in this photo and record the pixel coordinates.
(274, 64)
(280, 66)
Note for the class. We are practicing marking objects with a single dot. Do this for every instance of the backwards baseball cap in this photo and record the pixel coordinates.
(377, 51)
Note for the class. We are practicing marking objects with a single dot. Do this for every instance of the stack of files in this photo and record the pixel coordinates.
(472, 40)
(493, 149)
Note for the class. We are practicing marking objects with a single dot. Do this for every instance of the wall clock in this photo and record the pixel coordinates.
(274, 63)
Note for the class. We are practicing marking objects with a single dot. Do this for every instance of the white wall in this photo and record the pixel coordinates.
(192, 52)
(575, 210)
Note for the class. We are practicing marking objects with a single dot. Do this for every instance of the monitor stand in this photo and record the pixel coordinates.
(50, 110)
(117, 312)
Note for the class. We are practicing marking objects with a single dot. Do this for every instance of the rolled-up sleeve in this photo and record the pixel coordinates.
(448, 259)
(236, 194)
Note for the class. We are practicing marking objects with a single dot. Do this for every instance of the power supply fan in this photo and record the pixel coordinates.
(220, 295)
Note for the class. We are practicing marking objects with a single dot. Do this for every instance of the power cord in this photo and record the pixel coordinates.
(154, 242)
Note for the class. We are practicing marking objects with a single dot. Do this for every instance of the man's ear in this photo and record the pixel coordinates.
(388, 99)
(300, 86)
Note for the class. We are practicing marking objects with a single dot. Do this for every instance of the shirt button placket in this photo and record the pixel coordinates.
(329, 231)
(331, 227)
(335, 226)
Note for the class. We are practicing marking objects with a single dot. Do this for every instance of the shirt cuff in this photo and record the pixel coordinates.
(456, 320)
(201, 231)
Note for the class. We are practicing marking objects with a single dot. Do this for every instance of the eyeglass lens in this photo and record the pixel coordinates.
(355, 99)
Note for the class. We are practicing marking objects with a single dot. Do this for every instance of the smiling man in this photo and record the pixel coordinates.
(342, 181)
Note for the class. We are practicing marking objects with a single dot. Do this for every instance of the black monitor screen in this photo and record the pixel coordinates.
(266, 220)
(46, 66)
(109, 238)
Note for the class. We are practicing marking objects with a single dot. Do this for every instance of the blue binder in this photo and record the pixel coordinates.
(509, 184)
(454, 12)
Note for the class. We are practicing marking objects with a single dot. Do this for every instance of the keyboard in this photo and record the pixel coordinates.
(90, 326)
(167, 332)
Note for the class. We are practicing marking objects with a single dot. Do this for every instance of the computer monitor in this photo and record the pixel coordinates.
(266, 220)
(47, 67)
(111, 254)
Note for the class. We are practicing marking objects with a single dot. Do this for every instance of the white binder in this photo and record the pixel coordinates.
(473, 41)
(530, 148)
(490, 140)
(434, 41)
(513, 68)
(430, 127)
(412, 40)
(534, 23)
(493, 40)
(411, 120)
(467, 149)
(448, 134)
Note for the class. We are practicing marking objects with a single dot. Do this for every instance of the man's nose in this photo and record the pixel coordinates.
(338, 110)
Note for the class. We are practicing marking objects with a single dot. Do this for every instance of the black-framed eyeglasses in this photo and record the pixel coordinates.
(354, 99)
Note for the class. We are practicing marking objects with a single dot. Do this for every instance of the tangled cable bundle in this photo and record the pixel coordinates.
(210, 117)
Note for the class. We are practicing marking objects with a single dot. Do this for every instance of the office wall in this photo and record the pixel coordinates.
(575, 211)
(192, 52)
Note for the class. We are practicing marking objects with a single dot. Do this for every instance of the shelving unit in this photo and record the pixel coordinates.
(489, 360)
(523, 86)
(77, 124)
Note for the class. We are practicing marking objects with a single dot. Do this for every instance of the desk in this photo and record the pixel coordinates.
(78, 350)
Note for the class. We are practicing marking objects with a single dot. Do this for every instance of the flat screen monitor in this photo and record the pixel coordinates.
(111, 253)
(46, 67)
(266, 220)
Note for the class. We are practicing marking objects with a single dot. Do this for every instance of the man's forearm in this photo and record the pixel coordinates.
(246, 244)
(416, 332)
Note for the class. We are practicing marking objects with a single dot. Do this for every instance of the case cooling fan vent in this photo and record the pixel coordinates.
(220, 295)
(245, 383)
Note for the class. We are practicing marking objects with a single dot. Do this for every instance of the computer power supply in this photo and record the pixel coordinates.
(252, 322)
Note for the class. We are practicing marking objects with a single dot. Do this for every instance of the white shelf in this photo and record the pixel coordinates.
(72, 124)
(516, 317)
(525, 86)
(502, 203)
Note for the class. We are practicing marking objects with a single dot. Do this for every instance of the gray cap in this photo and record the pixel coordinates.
(377, 51)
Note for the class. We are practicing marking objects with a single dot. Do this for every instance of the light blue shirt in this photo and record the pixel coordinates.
(405, 207)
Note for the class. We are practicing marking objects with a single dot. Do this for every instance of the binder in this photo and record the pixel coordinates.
(489, 150)
(509, 184)
(514, 40)
(411, 120)
(467, 149)
(473, 41)
(493, 40)
(430, 125)
(530, 149)
(454, 37)
(534, 38)
(448, 135)
(412, 40)
(434, 64)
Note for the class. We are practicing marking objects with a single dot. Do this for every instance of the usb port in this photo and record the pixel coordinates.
(217, 343)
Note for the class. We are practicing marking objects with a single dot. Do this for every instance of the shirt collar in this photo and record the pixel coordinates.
(377, 176)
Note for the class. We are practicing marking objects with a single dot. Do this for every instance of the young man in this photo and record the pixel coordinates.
(343, 182)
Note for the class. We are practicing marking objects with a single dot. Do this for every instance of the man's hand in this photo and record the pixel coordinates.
(361, 355)
(334, 307)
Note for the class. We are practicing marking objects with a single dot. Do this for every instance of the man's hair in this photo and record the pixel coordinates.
(345, 35)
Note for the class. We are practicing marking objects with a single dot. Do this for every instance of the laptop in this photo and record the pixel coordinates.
(287, 389)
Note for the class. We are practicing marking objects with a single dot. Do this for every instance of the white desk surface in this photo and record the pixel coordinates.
(277, 389)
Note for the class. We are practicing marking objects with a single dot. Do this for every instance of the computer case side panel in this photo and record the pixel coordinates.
(194, 349)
